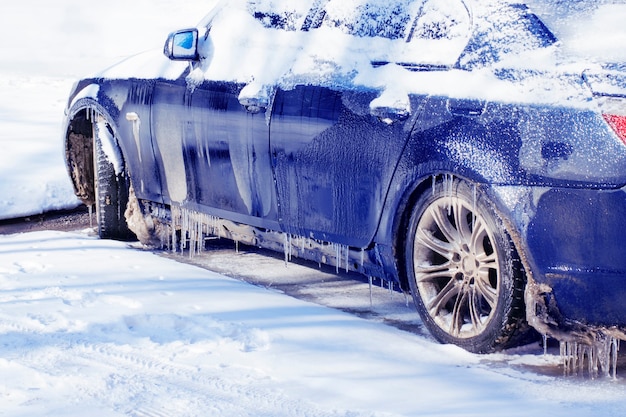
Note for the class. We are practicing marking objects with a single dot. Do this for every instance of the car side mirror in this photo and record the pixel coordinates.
(182, 45)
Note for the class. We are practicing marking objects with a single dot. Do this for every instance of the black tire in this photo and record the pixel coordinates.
(111, 188)
(465, 276)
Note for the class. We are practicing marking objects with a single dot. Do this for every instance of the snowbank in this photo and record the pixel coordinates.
(48, 46)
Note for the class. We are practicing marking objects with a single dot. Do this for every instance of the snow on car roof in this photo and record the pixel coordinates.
(341, 42)
(495, 50)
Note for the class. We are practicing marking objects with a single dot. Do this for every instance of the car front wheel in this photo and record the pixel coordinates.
(463, 269)
(111, 185)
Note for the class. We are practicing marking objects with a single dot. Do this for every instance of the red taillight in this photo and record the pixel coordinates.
(618, 124)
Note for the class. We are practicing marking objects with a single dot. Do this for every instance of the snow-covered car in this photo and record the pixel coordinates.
(472, 152)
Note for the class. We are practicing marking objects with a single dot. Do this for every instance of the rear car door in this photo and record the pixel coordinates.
(333, 162)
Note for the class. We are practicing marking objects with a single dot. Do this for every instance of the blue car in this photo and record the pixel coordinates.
(471, 152)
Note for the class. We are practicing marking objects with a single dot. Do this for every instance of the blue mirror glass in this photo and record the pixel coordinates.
(182, 45)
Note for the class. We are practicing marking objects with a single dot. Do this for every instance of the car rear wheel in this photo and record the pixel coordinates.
(463, 270)
(111, 186)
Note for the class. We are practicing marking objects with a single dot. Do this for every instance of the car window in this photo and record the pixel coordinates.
(285, 15)
(399, 19)
(591, 30)
(329, 42)
(504, 30)
(425, 33)
(383, 18)
(441, 20)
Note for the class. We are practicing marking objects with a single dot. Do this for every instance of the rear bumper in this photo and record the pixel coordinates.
(576, 244)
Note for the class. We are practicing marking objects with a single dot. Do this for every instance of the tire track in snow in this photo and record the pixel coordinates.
(150, 382)
(194, 388)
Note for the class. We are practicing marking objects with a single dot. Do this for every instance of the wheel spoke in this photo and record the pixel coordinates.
(462, 226)
(436, 245)
(431, 273)
(487, 292)
(478, 235)
(437, 303)
(456, 323)
(440, 216)
(487, 261)
(474, 310)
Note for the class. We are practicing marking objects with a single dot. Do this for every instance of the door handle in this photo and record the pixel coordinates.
(391, 107)
(466, 107)
(254, 105)
(390, 115)
(255, 97)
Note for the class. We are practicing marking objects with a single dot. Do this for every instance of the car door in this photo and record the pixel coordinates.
(227, 152)
(333, 162)
(213, 152)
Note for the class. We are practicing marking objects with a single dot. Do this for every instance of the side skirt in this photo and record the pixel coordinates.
(189, 231)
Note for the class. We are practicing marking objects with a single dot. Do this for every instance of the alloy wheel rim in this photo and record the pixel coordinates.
(456, 267)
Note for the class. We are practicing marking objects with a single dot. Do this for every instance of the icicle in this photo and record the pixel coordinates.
(449, 181)
(362, 257)
(406, 299)
(545, 344)
(593, 362)
(599, 355)
(615, 350)
(337, 257)
(347, 259)
(371, 301)
(287, 247)
(174, 227)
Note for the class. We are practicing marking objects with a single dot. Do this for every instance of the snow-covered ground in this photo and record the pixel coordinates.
(93, 327)
(101, 328)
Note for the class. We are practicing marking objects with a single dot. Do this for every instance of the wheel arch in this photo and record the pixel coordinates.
(396, 230)
(402, 218)
(79, 146)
